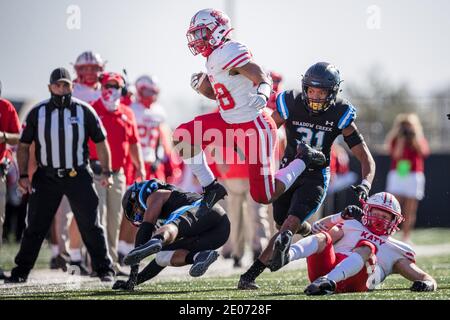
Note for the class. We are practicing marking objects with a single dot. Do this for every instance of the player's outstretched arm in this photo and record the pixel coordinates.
(253, 72)
(360, 150)
(422, 281)
(349, 213)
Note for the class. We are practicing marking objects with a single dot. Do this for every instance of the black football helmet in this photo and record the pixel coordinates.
(134, 200)
(321, 75)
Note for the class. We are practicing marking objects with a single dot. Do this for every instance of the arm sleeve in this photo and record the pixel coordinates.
(347, 118)
(282, 106)
(94, 125)
(235, 55)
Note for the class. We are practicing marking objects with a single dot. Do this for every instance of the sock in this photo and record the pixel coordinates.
(254, 271)
(290, 173)
(190, 257)
(55, 250)
(347, 268)
(303, 248)
(200, 168)
(144, 233)
(150, 271)
(75, 255)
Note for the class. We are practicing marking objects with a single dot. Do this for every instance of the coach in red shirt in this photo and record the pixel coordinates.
(122, 135)
(9, 134)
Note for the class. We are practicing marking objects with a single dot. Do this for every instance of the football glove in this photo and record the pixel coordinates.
(362, 190)
(423, 286)
(196, 80)
(352, 212)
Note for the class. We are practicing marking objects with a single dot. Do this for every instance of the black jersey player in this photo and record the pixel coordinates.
(315, 116)
(170, 228)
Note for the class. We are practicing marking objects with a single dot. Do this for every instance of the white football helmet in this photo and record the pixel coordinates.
(89, 58)
(208, 29)
(377, 225)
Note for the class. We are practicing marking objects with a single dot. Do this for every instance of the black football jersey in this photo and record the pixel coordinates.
(177, 199)
(317, 130)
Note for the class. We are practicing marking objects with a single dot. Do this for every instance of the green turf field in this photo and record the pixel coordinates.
(279, 285)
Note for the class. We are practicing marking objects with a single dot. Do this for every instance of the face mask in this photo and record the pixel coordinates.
(61, 101)
(111, 98)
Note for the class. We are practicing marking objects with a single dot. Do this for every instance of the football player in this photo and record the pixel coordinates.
(88, 67)
(315, 116)
(183, 238)
(353, 251)
(241, 89)
(154, 133)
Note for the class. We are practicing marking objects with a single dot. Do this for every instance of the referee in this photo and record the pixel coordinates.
(60, 128)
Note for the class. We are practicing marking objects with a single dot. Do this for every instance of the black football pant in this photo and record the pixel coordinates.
(45, 198)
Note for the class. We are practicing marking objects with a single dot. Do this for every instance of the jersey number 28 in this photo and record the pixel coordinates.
(224, 97)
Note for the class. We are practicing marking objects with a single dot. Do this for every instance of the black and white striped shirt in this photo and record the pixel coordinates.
(61, 134)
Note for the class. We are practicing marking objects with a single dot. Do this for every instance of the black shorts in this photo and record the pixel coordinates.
(208, 232)
(304, 197)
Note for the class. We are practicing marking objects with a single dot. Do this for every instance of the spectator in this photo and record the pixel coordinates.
(9, 134)
(60, 128)
(120, 125)
(406, 180)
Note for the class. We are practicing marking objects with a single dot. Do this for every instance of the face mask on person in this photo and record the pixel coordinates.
(111, 98)
(61, 101)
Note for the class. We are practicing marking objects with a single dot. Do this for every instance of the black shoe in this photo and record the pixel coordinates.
(311, 157)
(106, 276)
(78, 268)
(321, 286)
(280, 255)
(124, 285)
(246, 284)
(143, 251)
(202, 262)
(17, 276)
(59, 262)
(211, 194)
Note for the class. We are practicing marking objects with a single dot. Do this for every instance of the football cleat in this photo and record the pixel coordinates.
(280, 255)
(247, 284)
(321, 286)
(202, 262)
(211, 194)
(311, 157)
(143, 251)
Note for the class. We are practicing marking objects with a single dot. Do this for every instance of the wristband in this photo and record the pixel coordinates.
(265, 89)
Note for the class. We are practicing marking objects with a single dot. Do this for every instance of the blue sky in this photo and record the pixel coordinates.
(411, 44)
